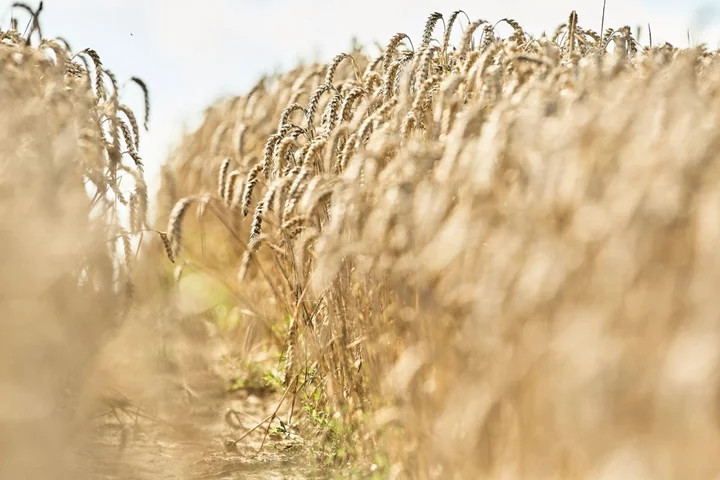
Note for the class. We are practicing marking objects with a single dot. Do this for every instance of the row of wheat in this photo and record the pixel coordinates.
(69, 173)
(498, 255)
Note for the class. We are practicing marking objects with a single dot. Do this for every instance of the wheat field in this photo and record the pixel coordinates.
(67, 255)
(481, 253)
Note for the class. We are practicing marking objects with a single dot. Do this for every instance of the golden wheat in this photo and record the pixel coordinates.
(499, 254)
(68, 262)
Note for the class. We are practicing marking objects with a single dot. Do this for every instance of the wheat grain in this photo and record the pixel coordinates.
(127, 135)
(132, 214)
(222, 177)
(167, 245)
(392, 47)
(429, 27)
(175, 223)
(288, 111)
(146, 97)
(99, 83)
(330, 115)
(250, 182)
(252, 249)
(229, 193)
(332, 67)
(466, 40)
(133, 123)
(314, 101)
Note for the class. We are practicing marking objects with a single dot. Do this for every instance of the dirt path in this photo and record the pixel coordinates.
(195, 449)
(185, 431)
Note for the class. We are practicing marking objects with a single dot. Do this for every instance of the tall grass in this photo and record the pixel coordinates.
(486, 254)
(477, 254)
(68, 165)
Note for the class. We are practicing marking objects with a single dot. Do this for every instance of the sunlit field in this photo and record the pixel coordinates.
(480, 253)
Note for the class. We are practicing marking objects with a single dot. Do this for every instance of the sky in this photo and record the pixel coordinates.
(192, 52)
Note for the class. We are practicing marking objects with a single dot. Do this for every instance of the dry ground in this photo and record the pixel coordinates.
(180, 415)
(155, 404)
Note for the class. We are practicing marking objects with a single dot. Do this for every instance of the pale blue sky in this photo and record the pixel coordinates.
(190, 52)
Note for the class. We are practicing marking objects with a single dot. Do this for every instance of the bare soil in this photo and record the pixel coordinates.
(167, 413)
(199, 447)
